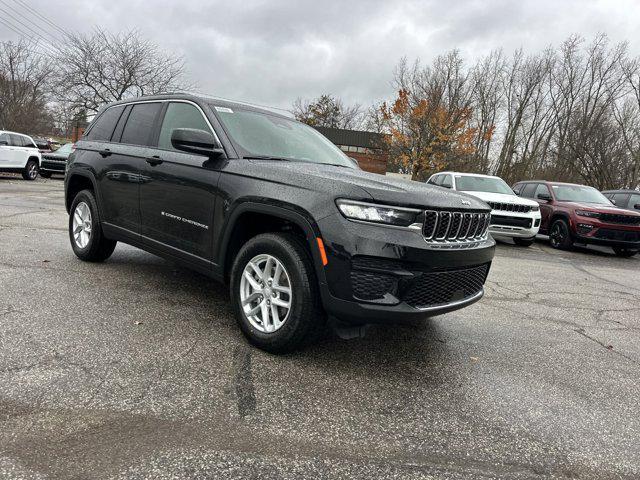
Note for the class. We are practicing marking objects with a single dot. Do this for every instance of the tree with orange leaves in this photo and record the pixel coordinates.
(429, 123)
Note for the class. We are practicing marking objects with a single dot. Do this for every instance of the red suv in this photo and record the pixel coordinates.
(579, 214)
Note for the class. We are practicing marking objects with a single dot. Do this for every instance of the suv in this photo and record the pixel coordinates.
(274, 209)
(19, 154)
(579, 214)
(512, 217)
(629, 199)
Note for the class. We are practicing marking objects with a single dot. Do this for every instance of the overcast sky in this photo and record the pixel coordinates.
(270, 52)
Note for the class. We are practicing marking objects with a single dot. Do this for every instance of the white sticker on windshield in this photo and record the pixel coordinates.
(224, 109)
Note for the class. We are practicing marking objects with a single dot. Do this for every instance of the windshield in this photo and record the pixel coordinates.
(66, 148)
(262, 135)
(579, 193)
(466, 183)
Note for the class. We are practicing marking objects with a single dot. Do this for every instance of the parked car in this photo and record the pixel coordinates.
(19, 154)
(56, 162)
(274, 209)
(46, 145)
(580, 214)
(511, 216)
(629, 199)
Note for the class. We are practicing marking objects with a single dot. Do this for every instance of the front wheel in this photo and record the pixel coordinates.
(85, 231)
(275, 295)
(30, 171)
(624, 252)
(524, 242)
(559, 235)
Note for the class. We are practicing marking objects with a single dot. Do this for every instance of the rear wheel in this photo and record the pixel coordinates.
(524, 242)
(559, 235)
(275, 295)
(30, 171)
(85, 232)
(624, 252)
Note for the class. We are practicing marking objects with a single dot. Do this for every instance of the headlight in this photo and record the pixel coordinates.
(587, 213)
(369, 212)
(535, 208)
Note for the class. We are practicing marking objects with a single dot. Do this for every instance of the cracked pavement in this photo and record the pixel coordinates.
(135, 369)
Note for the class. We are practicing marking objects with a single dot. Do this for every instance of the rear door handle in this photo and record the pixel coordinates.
(155, 160)
(105, 153)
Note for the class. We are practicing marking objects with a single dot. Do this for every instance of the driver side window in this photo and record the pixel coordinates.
(541, 189)
(446, 181)
(180, 115)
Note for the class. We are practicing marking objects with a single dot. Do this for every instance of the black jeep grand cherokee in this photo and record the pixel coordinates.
(270, 206)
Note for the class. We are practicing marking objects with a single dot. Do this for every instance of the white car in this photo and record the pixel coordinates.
(511, 216)
(19, 154)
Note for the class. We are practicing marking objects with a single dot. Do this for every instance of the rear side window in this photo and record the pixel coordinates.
(16, 140)
(140, 123)
(180, 115)
(528, 190)
(104, 124)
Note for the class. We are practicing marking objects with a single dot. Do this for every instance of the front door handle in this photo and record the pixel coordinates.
(153, 161)
(105, 153)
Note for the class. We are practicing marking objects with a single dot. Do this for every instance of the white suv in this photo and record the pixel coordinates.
(511, 216)
(19, 154)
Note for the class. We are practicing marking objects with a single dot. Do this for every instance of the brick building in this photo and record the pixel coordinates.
(363, 146)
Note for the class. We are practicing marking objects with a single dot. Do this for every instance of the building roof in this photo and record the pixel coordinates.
(352, 138)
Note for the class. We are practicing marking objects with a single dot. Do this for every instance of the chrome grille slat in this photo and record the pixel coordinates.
(510, 207)
(443, 226)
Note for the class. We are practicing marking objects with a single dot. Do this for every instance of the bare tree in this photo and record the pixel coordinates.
(328, 111)
(103, 67)
(24, 83)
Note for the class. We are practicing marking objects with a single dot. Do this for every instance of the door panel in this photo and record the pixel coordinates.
(177, 198)
(177, 195)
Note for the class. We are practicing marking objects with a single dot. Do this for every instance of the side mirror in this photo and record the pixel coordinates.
(515, 192)
(612, 201)
(196, 141)
(3, 142)
(544, 196)
(355, 162)
(637, 206)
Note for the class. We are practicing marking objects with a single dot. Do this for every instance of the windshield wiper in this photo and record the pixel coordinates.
(267, 157)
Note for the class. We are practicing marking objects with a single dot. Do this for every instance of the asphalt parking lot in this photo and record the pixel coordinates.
(135, 369)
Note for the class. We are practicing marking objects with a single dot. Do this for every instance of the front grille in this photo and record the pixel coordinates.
(432, 289)
(621, 219)
(617, 235)
(445, 226)
(511, 221)
(510, 207)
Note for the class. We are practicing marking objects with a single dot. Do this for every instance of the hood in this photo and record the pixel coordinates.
(379, 188)
(503, 198)
(600, 208)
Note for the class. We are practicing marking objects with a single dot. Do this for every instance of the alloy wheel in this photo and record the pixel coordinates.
(557, 235)
(265, 293)
(82, 225)
(33, 171)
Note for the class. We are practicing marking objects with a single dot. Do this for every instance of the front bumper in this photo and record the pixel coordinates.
(383, 274)
(53, 166)
(595, 232)
(518, 225)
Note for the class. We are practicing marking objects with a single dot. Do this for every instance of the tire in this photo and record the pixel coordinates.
(624, 252)
(304, 321)
(31, 170)
(524, 242)
(93, 247)
(559, 235)
(45, 174)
